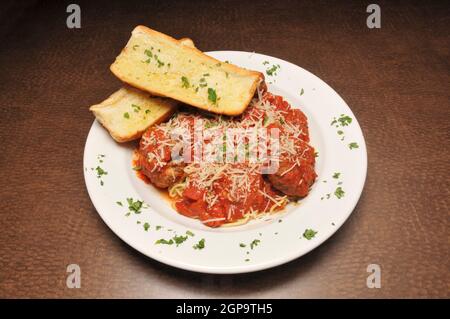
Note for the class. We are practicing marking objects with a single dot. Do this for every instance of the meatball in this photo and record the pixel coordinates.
(292, 179)
(164, 177)
(164, 172)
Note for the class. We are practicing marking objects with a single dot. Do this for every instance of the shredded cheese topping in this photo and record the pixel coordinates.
(242, 177)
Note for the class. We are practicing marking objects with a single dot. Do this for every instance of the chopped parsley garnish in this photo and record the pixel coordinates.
(119, 203)
(339, 192)
(200, 244)
(345, 120)
(336, 175)
(212, 96)
(137, 168)
(242, 245)
(185, 82)
(265, 62)
(100, 172)
(135, 206)
(147, 111)
(309, 234)
(135, 46)
(202, 80)
(146, 226)
(206, 74)
(272, 70)
(247, 260)
(148, 53)
(158, 227)
(316, 154)
(353, 145)
(254, 243)
(302, 92)
(126, 115)
(180, 239)
(164, 241)
(188, 232)
(265, 120)
(136, 108)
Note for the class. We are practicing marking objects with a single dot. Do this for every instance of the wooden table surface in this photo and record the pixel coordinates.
(395, 79)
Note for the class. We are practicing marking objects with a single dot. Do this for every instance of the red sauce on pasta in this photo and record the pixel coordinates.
(222, 193)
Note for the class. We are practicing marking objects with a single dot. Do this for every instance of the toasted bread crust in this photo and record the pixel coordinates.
(187, 42)
(244, 80)
(110, 113)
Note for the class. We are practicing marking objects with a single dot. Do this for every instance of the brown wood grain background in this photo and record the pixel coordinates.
(396, 80)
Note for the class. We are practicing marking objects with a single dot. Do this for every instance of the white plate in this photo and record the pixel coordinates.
(280, 239)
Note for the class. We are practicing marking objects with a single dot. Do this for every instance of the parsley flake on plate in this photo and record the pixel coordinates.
(188, 232)
(180, 239)
(273, 70)
(345, 120)
(254, 243)
(164, 241)
(309, 234)
(353, 145)
(134, 206)
(339, 192)
(200, 244)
